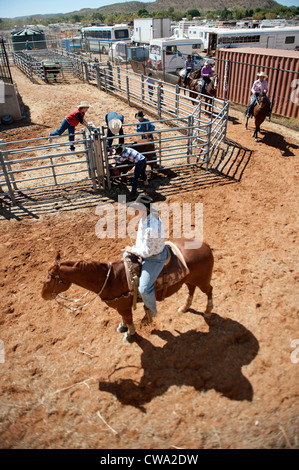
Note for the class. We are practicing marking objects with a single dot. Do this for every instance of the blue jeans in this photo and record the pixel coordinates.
(65, 126)
(188, 70)
(252, 103)
(204, 81)
(151, 268)
(139, 171)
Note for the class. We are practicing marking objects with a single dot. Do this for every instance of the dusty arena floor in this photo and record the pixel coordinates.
(69, 381)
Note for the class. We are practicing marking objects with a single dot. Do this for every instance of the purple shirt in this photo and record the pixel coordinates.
(206, 70)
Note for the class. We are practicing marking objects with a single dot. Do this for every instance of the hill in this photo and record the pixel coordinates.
(201, 5)
(159, 5)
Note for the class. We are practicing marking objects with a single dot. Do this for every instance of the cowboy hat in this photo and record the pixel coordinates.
(143, 200)
(115, 125)
(139, 114)
(119, 149)
(262, 74)
(84, 104)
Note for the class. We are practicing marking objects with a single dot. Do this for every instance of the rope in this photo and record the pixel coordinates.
(73, 309)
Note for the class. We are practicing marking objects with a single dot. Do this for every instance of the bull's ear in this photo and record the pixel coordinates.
(57, 259)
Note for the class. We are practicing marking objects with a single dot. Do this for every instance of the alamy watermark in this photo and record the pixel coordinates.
(295, 92)
(295, 353)
(2, 352)
(186, 220)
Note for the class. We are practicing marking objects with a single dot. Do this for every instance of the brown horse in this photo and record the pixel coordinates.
(260, 111)
(210, 88)
(191, 76)
(109, 282)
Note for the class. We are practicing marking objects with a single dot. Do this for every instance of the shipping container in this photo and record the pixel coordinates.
(237, 69)
(146, 29)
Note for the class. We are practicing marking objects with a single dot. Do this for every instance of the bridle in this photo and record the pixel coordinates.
(57, 278)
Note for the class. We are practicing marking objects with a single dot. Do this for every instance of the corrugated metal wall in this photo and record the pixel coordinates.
(237, 70)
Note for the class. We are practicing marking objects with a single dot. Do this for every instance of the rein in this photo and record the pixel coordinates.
(73, 309)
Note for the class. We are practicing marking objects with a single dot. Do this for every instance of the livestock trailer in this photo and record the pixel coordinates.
(271, 38)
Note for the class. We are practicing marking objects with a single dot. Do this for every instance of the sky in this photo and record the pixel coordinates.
(14, 8)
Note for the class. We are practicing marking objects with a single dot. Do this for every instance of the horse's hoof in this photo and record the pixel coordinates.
(182, 310)
(209, 308)
(128, 338)
(255, 140)
(122, 328)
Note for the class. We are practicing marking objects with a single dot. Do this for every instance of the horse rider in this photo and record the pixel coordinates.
(259, 86)
(189, 67)
(144, 125)
(206, 73)
(114, 123)
(150, 246)
(140, 161)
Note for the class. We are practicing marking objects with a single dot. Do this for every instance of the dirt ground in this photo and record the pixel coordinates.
(69, 381)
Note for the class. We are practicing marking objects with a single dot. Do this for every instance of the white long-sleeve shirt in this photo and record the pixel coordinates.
(150, 238)
(259, 86)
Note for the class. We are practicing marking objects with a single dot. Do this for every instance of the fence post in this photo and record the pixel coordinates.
(206, 159)
(226, 77)
(128, 90)
(105, 81)
(6, 176)
(7, 162)
(190, 137)
(99, 82)
(118, 77)
(85, 68)
(98, 155)
(159, 101)
(110, 80)
(177, 97)
(142, 88)
(87, 148)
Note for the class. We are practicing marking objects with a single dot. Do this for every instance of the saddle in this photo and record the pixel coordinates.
(175, 269)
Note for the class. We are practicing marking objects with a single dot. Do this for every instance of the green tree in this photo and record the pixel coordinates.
(97, 17)
(258, 15)
(193, 13)
(143, 13)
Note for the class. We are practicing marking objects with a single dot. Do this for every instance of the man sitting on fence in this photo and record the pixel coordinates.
(133, 156)
(71, 121)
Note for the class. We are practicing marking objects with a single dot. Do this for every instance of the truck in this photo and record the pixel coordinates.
(121, 52)
(146, 29)
(170, 54)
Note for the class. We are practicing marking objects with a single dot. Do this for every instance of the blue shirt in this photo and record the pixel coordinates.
(130, 154)
(189, 65)
(145, 126)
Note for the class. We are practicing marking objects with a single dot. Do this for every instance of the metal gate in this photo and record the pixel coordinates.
(36, 163)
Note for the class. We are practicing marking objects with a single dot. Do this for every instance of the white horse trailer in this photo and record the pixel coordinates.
(170, 54)
(272, 38)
